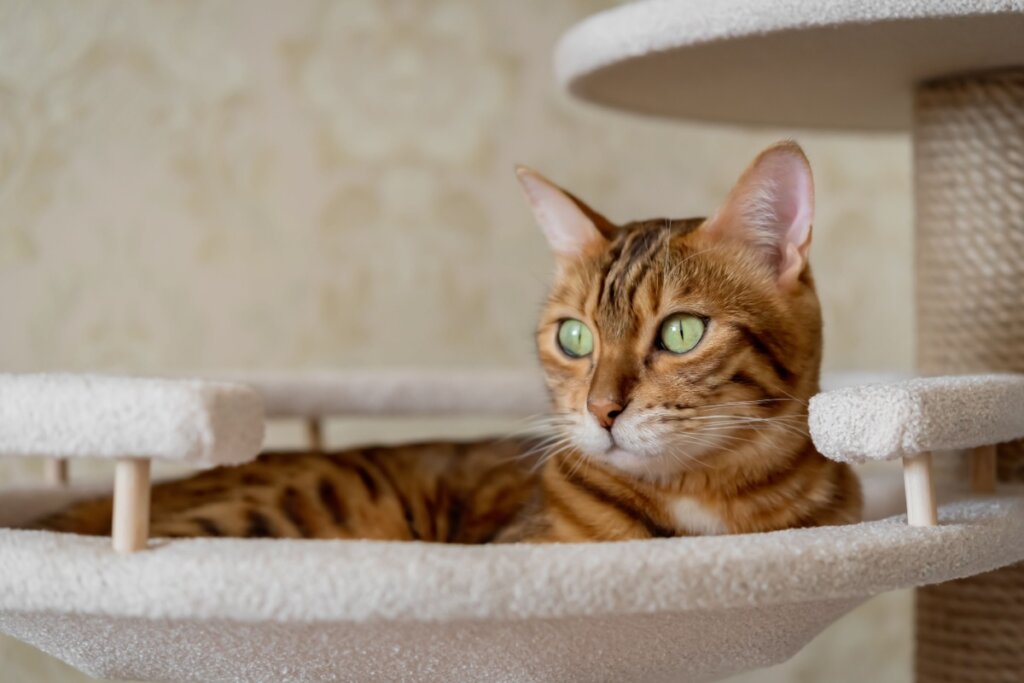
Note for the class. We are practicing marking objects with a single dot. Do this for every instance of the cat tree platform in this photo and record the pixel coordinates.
(850, 64)
(950, 71)
(263, 610)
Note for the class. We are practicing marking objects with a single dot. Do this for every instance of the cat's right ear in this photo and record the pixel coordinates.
(572, 228)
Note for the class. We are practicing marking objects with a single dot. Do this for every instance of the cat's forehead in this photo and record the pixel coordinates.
(631, 273)
(673, 226)
(632, 249)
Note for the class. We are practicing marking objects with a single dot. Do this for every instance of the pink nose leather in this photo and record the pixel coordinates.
(605, 412)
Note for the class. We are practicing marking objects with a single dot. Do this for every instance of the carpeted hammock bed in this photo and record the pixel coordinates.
(274, 610)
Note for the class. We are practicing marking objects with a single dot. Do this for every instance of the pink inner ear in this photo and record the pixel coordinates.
(569, 231)
(793, 190)
(772, 208)
(796, 203)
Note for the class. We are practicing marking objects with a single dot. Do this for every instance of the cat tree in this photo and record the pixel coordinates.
(664, 609)
(951, 71)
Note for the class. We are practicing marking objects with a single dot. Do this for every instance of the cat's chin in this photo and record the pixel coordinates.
(641, 466)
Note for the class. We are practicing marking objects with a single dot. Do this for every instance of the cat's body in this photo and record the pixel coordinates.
(445, 492)
(679, 355)
(477, 493)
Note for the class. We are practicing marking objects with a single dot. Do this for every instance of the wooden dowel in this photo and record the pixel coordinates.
(919, 489)
(983, 469)
(55, 470)
(315, 435)
(131, 505)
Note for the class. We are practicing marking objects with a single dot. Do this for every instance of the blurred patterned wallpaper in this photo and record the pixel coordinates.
(192, 186)
(198, 185)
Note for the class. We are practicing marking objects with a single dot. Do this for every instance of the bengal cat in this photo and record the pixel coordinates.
(679, 356)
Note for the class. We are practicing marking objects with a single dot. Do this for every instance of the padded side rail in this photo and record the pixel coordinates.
(399, 393)
(396, 393)
(912, 418)
(134, 421)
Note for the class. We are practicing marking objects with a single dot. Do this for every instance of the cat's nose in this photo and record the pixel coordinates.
(605, 412)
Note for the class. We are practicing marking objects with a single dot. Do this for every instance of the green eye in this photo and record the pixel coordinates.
(681, 332)
(575, 338)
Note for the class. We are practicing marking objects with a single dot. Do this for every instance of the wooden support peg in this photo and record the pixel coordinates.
(315, 435)
(55, 470)
(131, 505)
(919, 490)
(983, 469)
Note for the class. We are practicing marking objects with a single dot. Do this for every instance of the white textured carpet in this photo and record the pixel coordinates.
(196, 610)
(90, 416)
(251, 610)
(886, 421)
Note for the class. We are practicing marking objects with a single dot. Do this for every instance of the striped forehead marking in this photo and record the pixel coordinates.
(630, 262)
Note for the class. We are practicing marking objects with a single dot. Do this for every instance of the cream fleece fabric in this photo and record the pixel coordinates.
(841, 63)
(667, 609)
(399, 393)
(223, 609)
(628, 648)
(407, 581)
(202, 423)
(886, 421)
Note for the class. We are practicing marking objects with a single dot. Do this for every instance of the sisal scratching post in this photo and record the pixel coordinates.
(131, 505)
(969, 191)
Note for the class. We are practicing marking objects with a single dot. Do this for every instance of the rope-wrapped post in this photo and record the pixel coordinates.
(969, 193)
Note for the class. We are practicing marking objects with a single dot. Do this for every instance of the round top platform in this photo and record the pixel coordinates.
(803, 63)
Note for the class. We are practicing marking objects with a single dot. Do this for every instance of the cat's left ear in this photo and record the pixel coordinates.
(771, 209)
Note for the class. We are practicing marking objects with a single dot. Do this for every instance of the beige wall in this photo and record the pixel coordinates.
(189, 186)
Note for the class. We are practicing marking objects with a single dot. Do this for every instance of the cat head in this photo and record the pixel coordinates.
(665, 341)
